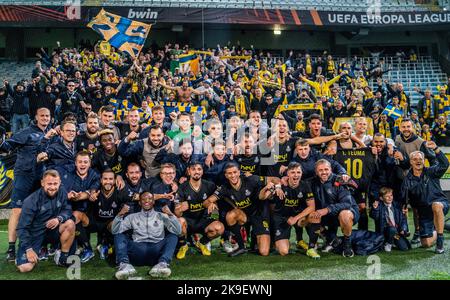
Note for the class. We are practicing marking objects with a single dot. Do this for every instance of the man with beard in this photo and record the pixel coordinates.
(81, 182)
(27, 143)
(71, 100)
(108, 157)
(335, 207)
(422, 189)
(243, 194)
(184, 91)
(135, 185)
(159, 119)
(89, 139)
(294, 202)
(193, 216)
(108, 201)
(153, 242)
(390, 168)
(148, 148)
(181, 160)
(409, 142)
(45, 216)
(62, 152)
(247, 156)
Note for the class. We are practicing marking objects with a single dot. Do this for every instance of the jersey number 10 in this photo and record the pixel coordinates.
(354, 167)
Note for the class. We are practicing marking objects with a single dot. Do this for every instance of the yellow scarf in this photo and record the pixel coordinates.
(426, 136)
(300, 126)
(240, 107)
(384, 129)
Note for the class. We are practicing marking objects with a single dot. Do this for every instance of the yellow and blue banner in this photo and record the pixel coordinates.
(124, 34)
(392, 112)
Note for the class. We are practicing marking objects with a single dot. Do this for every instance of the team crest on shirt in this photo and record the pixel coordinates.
(58, 203)
(97, 144)
(232, 197)
(82, 144)
(105, 163)
(114, 205)
(256, 160)
(288, 149)
(205, 196)
(247, 193)
(278, 232)
(119, 158)
(300, 195)
(189, 198)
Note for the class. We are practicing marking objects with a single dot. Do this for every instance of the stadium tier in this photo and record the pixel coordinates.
(327, 5)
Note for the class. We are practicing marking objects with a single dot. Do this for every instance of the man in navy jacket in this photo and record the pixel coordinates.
(26, 142)
(45, 216)
(422, 189)
(335, 206)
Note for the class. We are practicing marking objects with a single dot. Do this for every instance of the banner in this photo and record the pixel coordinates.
(6, 178)
(303, 106)
(83, 14)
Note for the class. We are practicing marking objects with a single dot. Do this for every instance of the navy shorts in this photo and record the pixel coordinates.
(198, 225)
(23, 186)
(426, 220)
(333, 221)
(50, 236)
(281, 229)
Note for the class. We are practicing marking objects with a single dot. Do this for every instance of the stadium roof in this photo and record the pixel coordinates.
(325, 5)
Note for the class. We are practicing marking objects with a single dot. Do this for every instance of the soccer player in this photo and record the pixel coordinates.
(294, 202)
(193, 216)
(242, 193)
(45, 216)
(335, 207)
(89, 140)
(81, 183)
(108, 202)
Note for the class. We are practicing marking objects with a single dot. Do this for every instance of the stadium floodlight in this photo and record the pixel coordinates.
(277, 31)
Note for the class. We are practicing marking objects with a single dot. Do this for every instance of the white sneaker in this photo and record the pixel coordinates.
(160, 270)
(228, 247)
(125, 271)
(388, 247)
(327, 249)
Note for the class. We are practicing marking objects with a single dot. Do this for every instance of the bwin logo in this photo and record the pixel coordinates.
(142, 14)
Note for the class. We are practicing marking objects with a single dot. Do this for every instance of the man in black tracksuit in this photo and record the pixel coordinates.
(335, 206)
(421, 188)
(45, 217)
(20, 108)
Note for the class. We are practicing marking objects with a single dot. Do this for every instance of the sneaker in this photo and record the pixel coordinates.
(59, 261)
(203, 249)
(86, 255)
(237, 252)
(51, 251)
(11, 256)
(348, 251)
(439, 246)
(103, 251)
(388, 247)
(208, 245)
(228, 247)
(312, 253)
(182, 252)
(302, 245)
(160, 270)
(125, 271)
(43, 254)
(416, 238)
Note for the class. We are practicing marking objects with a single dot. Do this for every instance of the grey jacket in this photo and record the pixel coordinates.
(147, 226)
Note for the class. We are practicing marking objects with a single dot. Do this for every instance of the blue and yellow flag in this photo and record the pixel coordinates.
(392, 112)
(124, 34)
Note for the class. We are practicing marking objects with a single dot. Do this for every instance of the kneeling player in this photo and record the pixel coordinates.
(293, 204)
(196, 218)
(242, 193)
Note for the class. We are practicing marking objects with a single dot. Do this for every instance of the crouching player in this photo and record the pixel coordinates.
(45, 215)
(293, 204)
(195, 217)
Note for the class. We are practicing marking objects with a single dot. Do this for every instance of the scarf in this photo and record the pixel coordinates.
(240, 107)
(428, 109)
(426, 136)
(385, 129)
